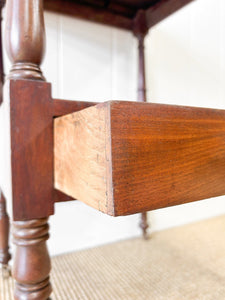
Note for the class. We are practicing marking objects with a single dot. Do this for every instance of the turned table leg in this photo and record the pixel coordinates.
(142, 98)
(32, 263)
(140, 30)
(4, 236)
(144, 225)
(25, 43)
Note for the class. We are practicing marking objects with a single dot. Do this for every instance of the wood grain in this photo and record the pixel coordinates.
(63, 107)
(116, 13)
(32, 263)
(89, 169)
(125, 157)
(94, 13)
(31, 148)
(25, 38)
(32, 111)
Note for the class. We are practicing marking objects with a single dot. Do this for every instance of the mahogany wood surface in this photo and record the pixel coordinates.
(163, 9)
(64, 107)
(31, 149)
(116, 13)
(26, 22)
(126, 157)
(92, 13)
(32, 146)
(32, 264)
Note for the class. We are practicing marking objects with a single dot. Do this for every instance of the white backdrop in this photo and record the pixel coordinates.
(185, 65)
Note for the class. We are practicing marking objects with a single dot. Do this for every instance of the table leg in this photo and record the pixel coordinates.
(31, 267)
(4, 237)
(140, 30)
(144, 225)
(31, 263)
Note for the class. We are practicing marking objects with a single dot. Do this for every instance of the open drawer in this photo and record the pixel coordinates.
(127, 157)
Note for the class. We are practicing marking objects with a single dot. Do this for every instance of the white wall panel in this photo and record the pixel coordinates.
(85, 60)
(51, 60)
(169, 58)
(124, 67)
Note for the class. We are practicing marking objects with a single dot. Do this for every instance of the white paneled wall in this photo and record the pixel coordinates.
(187, 56)
(82, 57)
(185, 65)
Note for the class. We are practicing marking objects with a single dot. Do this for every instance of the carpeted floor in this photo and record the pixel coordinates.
(185, 263)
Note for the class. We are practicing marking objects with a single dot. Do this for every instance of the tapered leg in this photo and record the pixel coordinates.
(140, 30)
(31, 263)
(144, 225)
(4, 236)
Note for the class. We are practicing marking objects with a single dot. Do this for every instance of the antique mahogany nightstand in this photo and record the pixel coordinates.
(118, 157)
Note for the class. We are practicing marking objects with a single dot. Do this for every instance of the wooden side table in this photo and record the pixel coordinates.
(118, 157)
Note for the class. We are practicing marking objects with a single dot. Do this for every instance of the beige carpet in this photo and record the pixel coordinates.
(176, 264)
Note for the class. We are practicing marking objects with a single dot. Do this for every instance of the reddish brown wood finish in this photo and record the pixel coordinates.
(32, 144)
(116, 13)
(4, 232)
(140, 26)
(61, 197)
(163, 9)
(91, 13)
(32, 175)
(32, 112)
(64, 107)
(31, 136)
(27, 50)
(32, 147)
(32, 263)
(133, 157)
